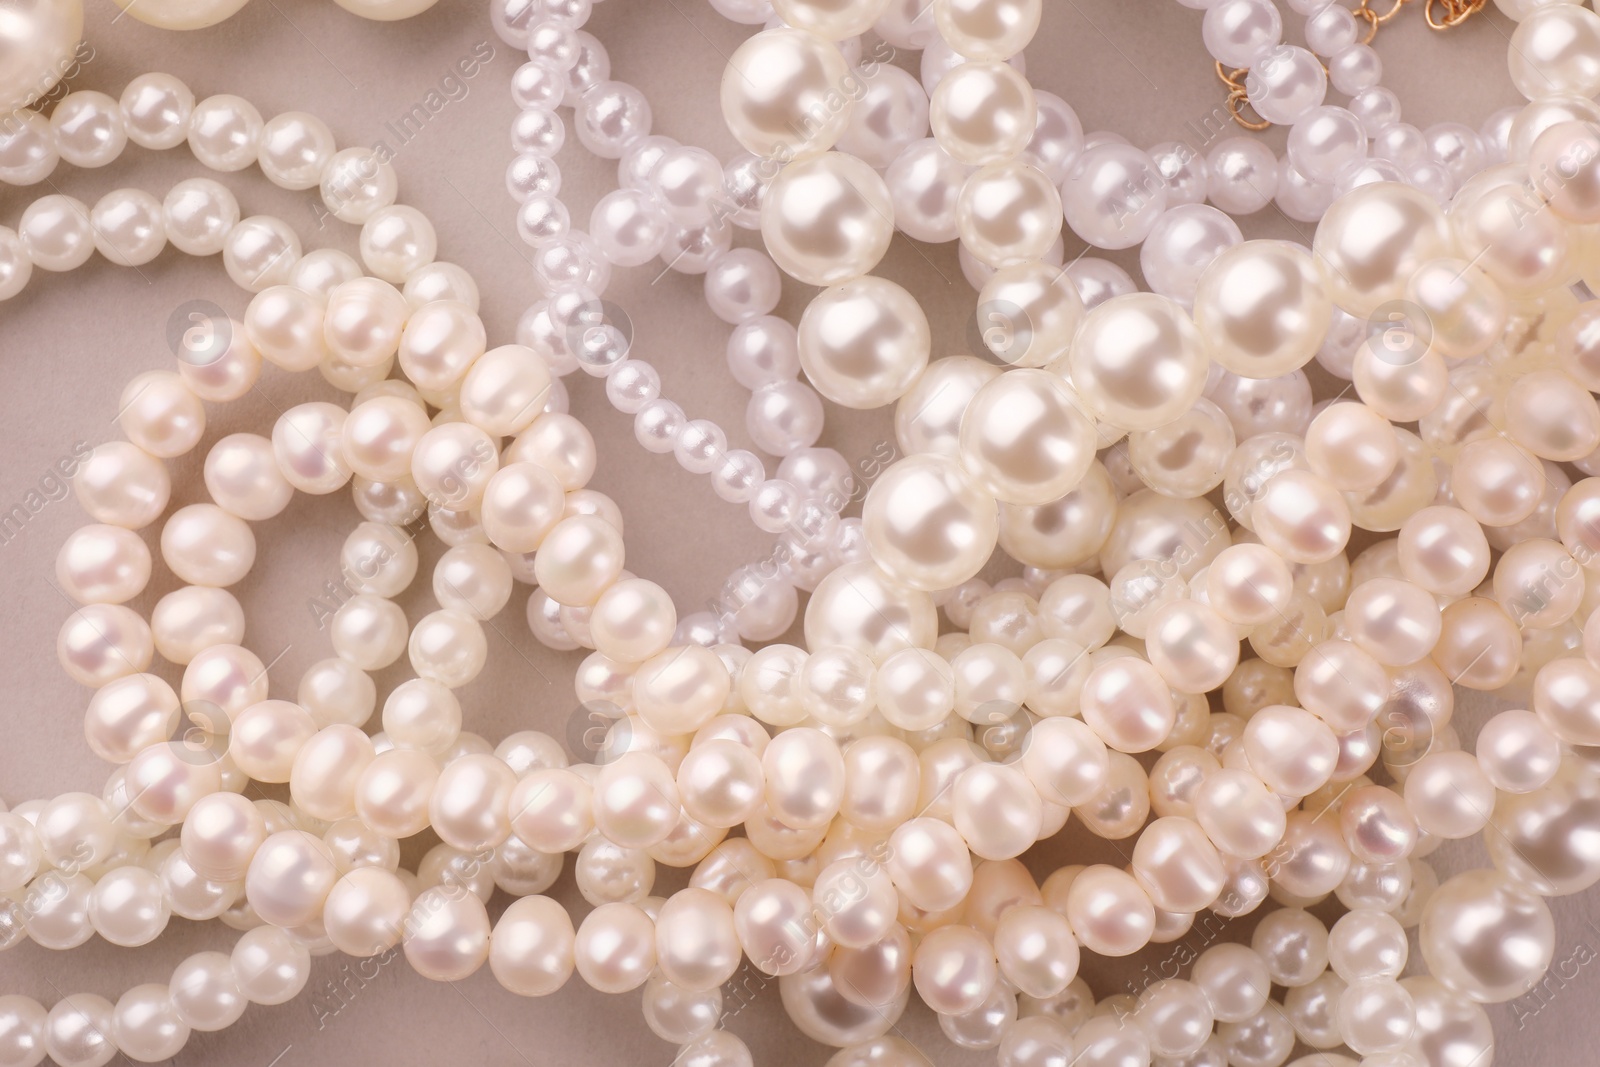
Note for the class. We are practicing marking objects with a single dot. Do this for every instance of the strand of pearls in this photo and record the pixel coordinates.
(1106, 897)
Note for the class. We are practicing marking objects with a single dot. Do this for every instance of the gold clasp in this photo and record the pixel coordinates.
(1455, 12)
(1239, 99)
(1366, 11)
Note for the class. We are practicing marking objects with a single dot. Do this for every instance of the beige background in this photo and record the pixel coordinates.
(70, 344)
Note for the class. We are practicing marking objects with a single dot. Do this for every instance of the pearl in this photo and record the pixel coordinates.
(204, 992)
(127, 907)
(531, 950)
(146, 1025)
(775, 94)
(697, 946)
(167, 15)
(77, 1031)
(39, 50)
(447, 934)
(863, 343)
(1263, 308)
(982, 112)
(615, 948)
(1485, 938)
(1109, 912)
(928, 524)
(828, 219)
(1138, 361)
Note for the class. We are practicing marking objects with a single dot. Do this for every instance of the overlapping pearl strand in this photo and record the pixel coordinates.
(1117, 1039)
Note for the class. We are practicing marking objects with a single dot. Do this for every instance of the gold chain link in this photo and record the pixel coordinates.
(1439, 14)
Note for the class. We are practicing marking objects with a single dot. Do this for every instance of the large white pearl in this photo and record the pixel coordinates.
(1486, 938)
(928, 524)
(864, 343)
(1138, 361)
(780, 94)
(828, 219)
(37, 49)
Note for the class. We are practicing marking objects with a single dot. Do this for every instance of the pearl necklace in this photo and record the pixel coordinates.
(989, 779)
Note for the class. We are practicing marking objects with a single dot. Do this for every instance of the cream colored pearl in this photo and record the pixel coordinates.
(579, 559)
(1263, 309)
(677, 691)
(289, 878)
(779, 94)
(1351, 446)
(615, 948)
(100, 643)
(1025, 438)
(122, 485)
(864, 343)
(1373, 239)
(393, 792)
(827, 219)
(983, 112)
(1138, 361)
(928, 524)
(266, 738)
(305, 440)
(531, 951)
(1109, 912)
(505, 390)
(447, 934)
(161, 415)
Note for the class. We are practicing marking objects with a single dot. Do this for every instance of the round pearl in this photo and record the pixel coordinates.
(828, 219)
(127, 907)
(983, 112)
(506, 390)
(1113, 195)
(1485, 938)
(862, 344)
(103, 564)
(220, 835)
(1025, 438)
(446, 934)
(100, 643)
(204, 992)
(289, 878)
(996, 810)
(697, 946)
(394, 790)
(1109, 911)
(448, 647)
(1138, 361)
(1373, 239)
(779, 94)
(615, 948)
(205, 545)
(270, 965)
(190, 620)
(821, 1012)
(1263, 309)
(56, 233)
(182, 14)
(88, 128)
(77, 1032)
(531, 950)
(305, 440)
(38, 50)
(579, 559)
(225, 132)
(928, 524)
(146, 1025)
